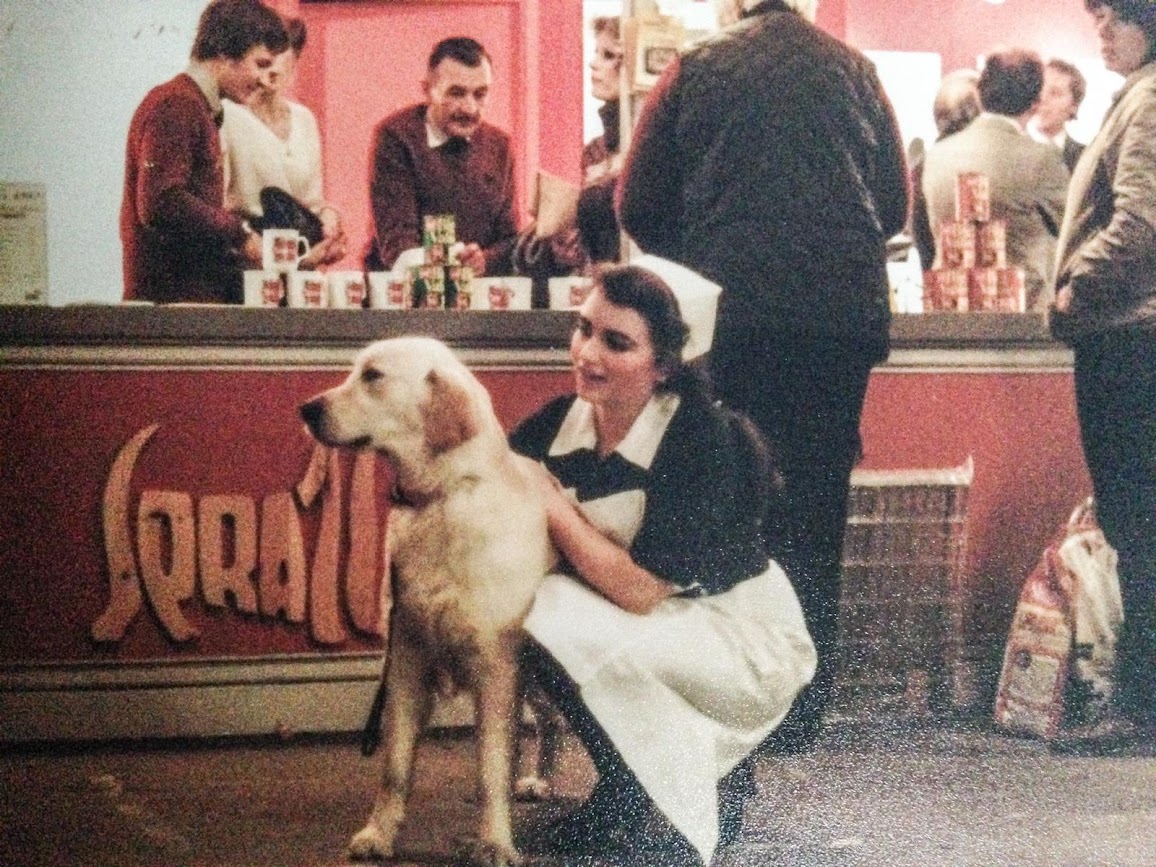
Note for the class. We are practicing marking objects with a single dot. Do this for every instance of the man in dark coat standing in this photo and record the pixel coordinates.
(768, 158)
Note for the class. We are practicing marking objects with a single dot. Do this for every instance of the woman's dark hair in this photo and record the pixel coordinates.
(1142, 13)
(231, 28)
(651, 298)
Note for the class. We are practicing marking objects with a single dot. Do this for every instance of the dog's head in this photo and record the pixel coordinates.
(409, 397)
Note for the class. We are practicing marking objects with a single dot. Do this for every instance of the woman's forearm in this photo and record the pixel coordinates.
(604, 565)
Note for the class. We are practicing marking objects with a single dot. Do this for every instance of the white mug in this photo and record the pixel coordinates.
(346, 289)
(387, 291)
(263, 288)
(307, 289)
(566, 293)
(282, 249)
(502, 293)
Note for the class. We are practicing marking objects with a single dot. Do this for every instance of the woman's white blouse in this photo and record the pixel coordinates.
(255, 158)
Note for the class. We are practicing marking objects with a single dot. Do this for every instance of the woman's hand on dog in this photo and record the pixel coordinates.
(600, 561)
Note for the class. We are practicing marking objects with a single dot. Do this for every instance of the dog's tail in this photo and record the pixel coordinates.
(371, 734)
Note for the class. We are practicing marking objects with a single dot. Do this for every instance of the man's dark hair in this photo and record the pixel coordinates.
(463, 49)
(1142, 13)
(1011, 81)
(231, 28)
(1076, 81)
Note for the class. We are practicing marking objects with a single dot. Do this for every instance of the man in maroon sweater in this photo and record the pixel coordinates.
(440, 157)
(180, 244)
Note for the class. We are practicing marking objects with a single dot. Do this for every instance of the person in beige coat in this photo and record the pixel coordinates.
(1027, 179)
(1105, 310)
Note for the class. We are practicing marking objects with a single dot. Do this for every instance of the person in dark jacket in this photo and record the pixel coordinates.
(768, 159)
(1063, 92)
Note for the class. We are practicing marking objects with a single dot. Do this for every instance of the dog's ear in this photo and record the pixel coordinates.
(449, 416)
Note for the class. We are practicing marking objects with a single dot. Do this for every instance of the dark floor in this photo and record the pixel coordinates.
(889, 795)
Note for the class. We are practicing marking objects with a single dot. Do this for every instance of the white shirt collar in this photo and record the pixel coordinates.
(207, 84)
(640, 444)
(434, 137)
(1059, 140)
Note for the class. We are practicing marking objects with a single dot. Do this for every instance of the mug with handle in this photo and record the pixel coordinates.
(282, 249)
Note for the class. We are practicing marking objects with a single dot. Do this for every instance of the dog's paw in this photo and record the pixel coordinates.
(483, 853)
(371, 843)
(533, 789)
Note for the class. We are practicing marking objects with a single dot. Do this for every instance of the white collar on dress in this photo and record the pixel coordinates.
(640, 443)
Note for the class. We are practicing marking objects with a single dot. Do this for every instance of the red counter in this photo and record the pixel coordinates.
(167, 570)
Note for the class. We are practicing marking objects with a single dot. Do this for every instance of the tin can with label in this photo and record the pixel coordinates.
(1011, 296)
(945, 289)
(991, 244)
(956, 244)
(438, 229)
(982, 288)
(972, 197)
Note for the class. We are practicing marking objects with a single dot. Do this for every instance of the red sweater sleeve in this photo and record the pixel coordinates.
(167, 156)
(393, 197)
(499, 255)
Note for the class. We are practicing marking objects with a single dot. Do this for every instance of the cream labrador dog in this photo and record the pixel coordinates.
(468, 545)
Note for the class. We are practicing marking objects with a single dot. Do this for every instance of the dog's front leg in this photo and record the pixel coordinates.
(495, 709)
(407, 705)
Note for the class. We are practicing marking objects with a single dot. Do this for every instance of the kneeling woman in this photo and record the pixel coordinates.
(671, 643)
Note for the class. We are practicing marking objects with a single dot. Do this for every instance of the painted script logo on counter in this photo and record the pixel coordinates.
(241, 557)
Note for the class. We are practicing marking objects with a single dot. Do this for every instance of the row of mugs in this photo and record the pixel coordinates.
(304, 289)
(383, 290)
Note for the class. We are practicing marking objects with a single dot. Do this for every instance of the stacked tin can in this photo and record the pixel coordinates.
(440, 281)
(971, 270)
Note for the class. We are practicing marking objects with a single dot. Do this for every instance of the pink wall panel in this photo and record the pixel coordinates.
(960, 30)
(245, 439)
(561, 67)
(231, 433)
(832, 17)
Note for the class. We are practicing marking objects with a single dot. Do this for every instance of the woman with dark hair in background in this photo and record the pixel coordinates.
(597, 235)
(669, 641)
(1105, 309)
(601, 159)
